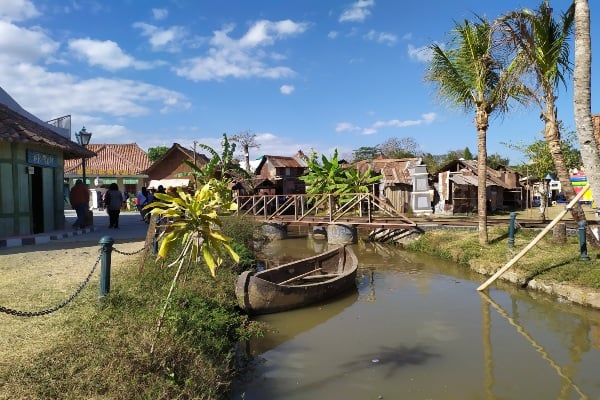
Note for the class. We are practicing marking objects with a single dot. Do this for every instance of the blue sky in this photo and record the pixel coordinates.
(299, 74)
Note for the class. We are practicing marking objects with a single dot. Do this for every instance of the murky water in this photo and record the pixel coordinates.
(416, 328)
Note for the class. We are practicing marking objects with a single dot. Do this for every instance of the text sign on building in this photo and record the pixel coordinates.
(43, 159)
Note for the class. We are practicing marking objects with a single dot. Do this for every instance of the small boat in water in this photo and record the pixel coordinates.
(298, 283)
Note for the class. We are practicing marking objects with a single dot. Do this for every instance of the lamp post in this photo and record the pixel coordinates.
(83, 138)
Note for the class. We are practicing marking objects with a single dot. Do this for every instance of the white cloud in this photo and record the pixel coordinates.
(244, 57)
(425, 119)
(287, 89)
(421, 54)
(24, 45)
(17, 10)
(162, 39)
(332, 35)
(160, 13)
(381, 37)
(106, 54)
(357, 12)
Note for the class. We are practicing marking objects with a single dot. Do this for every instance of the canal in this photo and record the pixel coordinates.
(416, 328)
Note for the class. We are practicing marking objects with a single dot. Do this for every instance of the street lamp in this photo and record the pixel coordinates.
(83, 138)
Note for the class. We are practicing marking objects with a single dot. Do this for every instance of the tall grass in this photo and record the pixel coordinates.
(102, 351)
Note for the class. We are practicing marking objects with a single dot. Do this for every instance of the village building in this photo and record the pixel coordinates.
(171, 170)
(403, 184)
(123, 164)
(32, 156)
(280, 175)
(456, 188)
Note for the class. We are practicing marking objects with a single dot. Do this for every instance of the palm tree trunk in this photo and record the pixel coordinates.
(481, 121)
(590, 154)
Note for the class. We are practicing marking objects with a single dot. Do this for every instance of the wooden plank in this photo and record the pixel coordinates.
(321, 276)
(534, 241)
(300, 276)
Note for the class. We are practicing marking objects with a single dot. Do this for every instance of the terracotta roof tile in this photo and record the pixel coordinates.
(112, 160)
(15, 128)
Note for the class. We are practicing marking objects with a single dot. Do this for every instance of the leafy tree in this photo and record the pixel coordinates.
(470, 73)
(154, 153)
(544, 43)
(467, 155)
(365, 153)
(495, 160)
(406, 147)
(223, 167)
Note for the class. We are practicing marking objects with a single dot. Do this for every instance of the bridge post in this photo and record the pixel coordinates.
(342, 234)
(274, 230)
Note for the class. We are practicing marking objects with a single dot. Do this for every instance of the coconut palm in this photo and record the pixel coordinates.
(474, 75)
(590, 153)
(544, 44)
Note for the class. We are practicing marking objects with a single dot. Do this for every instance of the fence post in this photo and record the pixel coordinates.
(106, 243)
(582, 225)
(511, 230)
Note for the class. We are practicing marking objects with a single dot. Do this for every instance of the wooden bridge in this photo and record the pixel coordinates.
(361, 209)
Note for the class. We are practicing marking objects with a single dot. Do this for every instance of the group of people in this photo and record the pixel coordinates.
(144, 197)
(113, 201)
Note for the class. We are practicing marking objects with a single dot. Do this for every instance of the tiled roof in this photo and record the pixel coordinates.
(15, 128)
(112, 160)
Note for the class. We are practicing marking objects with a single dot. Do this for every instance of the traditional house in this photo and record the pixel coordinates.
(283, 173)
(403, 182)
(171, 170)
(457, 183)
(31, 171)
(123, 164)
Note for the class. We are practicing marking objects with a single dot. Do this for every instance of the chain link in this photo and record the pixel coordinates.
(57, 307)
(131, 253)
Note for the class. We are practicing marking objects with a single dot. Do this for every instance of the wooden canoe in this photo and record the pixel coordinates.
(298, 283)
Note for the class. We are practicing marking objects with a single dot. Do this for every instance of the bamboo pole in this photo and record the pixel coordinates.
(535, 240)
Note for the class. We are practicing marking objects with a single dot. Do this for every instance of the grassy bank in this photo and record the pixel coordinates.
(546, 261)
(101, 350)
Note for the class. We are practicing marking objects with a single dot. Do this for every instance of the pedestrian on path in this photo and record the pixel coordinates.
(80, 202)
(113, 200)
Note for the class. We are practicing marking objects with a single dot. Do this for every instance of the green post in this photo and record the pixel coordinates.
(106, 242)
(511, 230)
(582, 225)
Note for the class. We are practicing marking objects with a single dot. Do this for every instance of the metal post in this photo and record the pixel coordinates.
(511, 230)
(156, 234)
(582, 225)
(83, 171)
(106, 243)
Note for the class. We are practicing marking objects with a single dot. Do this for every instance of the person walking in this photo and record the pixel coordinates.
(80, 202)
(142, 200)
(113, 199)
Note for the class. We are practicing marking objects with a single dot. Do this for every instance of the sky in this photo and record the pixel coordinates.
(308, 75)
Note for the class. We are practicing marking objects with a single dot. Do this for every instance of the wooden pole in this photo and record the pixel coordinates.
(535, 240)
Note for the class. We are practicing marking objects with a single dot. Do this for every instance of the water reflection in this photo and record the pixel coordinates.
(417, 328)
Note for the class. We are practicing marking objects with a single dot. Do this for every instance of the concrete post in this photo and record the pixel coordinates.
(582, 225)
(106, 242)
(511, 230)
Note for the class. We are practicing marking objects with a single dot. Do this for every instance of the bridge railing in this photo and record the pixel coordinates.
(328, 207)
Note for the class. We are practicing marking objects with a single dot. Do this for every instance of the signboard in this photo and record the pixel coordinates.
(43, 159)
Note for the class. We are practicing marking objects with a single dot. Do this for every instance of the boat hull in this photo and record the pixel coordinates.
(290, 285)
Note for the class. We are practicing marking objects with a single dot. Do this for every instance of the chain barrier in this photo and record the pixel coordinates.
(57, 307)
(130, 253)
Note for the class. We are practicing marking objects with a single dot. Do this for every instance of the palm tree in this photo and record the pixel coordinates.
(590, 153)
(544, 44)
(473, 75)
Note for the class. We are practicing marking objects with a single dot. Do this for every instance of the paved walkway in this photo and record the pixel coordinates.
(131, 227)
